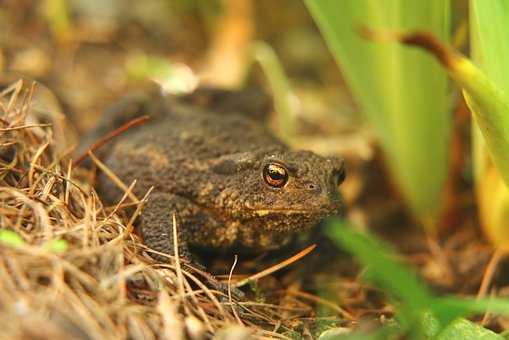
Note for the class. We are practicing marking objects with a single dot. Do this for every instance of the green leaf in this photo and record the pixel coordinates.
(173, 78)
(490, 108)
(280, 87)
(490, 46)
(10, 238)
(448, 308)
(57, 14)
(419, 311)
(403, 93)
(467, 330)
(430, 326)
(56, 246)
(490, 50)
(397, 280)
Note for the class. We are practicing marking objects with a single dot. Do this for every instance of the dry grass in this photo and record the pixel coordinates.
(72, 268)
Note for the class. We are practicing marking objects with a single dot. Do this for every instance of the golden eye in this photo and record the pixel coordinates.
(275, 175)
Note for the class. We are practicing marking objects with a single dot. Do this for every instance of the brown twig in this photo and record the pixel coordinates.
(109, 136)
(426, 40)
(111, 175)
(323, 302)
(498, 254)
(487, 278)
(21, 127)
(276, 267)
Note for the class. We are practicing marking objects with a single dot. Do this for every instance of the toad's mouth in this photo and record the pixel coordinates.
(265, 212)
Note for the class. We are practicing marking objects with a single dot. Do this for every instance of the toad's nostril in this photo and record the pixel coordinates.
(311, 186)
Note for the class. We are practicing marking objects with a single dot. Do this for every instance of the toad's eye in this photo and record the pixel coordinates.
(275, 175)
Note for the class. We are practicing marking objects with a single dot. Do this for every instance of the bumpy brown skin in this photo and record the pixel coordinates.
(207, 168)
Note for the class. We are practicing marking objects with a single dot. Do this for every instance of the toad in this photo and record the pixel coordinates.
(228, 180)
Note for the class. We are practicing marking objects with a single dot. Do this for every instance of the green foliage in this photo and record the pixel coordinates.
(485, 88)
(420, 313)
(403, 92)
(57, 14)
(172, 77)
(467, 330)
(489, 32)
(490, 51)
(280, 87)
(490, 107)
(11, 238)
(56, 246)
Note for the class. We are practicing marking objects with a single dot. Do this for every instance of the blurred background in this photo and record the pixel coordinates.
(91, 52)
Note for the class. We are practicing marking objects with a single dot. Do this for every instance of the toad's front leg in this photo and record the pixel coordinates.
(158, 231)
(156, 224)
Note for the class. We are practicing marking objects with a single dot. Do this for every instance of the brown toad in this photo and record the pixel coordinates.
(229, 181)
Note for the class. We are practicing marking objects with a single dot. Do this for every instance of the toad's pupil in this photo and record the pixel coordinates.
(276, 173)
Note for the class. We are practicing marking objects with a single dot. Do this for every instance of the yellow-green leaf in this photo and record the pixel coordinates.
(56, 246)
(10, 238)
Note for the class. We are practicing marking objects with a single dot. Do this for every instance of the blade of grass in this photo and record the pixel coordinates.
(280, 88)
(414, 299)
(57, 15)
(395, 279)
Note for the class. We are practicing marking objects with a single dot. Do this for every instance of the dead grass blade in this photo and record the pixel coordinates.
(276, 267)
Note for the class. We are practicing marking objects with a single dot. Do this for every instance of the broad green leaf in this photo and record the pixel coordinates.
(490, 39)
(490, 50)
(490, 108)
(11, 238)
(467, 330)
(402, 92)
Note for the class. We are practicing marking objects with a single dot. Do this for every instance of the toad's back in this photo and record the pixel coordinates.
(186, 134)
(172, 151)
